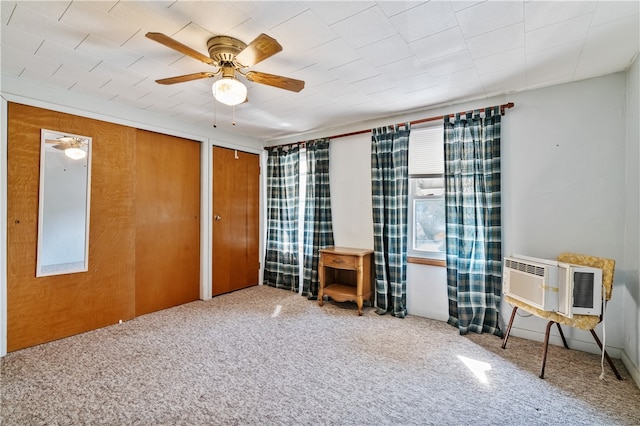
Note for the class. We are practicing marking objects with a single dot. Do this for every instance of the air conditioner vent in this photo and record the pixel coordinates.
(525, 267)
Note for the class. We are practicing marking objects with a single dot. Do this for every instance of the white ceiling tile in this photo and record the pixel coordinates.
(507, 38)
(386, 51)
(150, 15)
(27, 20)
(149, 67)
(514, 58)
(27, 42)
(458, 80)
(218, 17)
(554, 35)
(310, 31)
(424, 20)
(538, 14)
(106, 71)
(504, 81)
(417, 83)
(603, 53)
(107, 52)
(608, 11)
(271, 13)
(73, 75)
(436, 46)
(354, 71)
(85, 17)
(313, 75)
(6, 10)
(552, 65)
(450, 64)
(489, 16)
(373, 85)
(330, 12)
(22, 59)
(104, 5)
(52, 9)
(333, 53)
(49, 51)
(366, 27)
(403, 69)
(44, 76)
(90, 91)
(12, 60)
(462, 4)
(392, 8)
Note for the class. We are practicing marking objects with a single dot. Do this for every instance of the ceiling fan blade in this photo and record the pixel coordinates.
(176, 45)
(187, 77)
(275, 81)
(258, 50)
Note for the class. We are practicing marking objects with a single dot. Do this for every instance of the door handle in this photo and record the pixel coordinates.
(217, 217)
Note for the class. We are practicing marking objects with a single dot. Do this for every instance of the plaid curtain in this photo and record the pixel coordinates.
(281, 267)
(318, 227)
(472, 198)
(389, 183)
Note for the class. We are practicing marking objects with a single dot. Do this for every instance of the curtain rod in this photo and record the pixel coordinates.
(503, 108)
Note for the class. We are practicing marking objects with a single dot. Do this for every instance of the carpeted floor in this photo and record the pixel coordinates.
(263, 356)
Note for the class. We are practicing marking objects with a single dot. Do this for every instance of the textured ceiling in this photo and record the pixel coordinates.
(360, 60)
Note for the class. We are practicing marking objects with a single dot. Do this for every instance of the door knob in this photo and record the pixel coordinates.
(217, 217)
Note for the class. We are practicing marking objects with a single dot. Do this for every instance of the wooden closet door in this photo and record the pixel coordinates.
(167, 221)
(236, 197)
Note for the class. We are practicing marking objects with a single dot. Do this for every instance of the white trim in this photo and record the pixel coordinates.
(205, 220)
(3, 227)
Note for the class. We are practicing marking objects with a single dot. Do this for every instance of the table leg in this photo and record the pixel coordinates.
(321, 283)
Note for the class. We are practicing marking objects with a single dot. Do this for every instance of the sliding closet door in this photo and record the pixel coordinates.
(236, 194)
(167, 221)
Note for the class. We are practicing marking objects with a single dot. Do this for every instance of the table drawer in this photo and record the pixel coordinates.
(340, 261)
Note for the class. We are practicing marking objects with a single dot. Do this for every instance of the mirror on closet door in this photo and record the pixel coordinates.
(63, 219)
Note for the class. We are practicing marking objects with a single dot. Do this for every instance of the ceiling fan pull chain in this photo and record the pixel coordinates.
(215, 119)
(234, 115)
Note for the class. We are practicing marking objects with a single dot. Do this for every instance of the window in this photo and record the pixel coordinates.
(426, 194)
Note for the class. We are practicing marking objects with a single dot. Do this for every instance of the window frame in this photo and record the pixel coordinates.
(434, 258)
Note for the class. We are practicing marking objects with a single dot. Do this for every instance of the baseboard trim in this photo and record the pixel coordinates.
(633, 369)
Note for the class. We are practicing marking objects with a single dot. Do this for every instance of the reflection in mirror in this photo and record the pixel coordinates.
(63, 220)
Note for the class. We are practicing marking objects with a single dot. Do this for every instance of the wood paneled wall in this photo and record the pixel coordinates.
(48, 308)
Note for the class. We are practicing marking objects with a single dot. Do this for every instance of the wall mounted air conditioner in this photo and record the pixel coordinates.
(555, 286)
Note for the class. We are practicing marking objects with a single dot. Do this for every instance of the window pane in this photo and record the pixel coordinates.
(429, 224)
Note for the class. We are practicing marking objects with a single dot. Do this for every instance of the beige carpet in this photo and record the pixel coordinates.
(264, 356)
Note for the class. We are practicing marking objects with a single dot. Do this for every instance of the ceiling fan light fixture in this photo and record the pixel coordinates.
(229, 91)
(75, 153)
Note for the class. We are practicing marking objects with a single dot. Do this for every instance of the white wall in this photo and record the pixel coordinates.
(563, 174)
(563, 186)
(631, 264)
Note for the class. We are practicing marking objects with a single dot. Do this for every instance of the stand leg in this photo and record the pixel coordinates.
(545, 349)
(506, 335)
(564, 341)
(606, 355)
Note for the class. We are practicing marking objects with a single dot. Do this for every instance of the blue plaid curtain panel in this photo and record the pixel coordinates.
(389, 187)
(473, 218)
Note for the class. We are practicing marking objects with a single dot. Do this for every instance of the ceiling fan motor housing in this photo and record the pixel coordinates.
(223, 50)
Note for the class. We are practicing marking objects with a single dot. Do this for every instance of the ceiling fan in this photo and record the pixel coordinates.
(74, 148)
(230, 55)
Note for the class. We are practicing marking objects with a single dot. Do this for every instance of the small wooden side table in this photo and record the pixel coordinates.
(345, 274)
